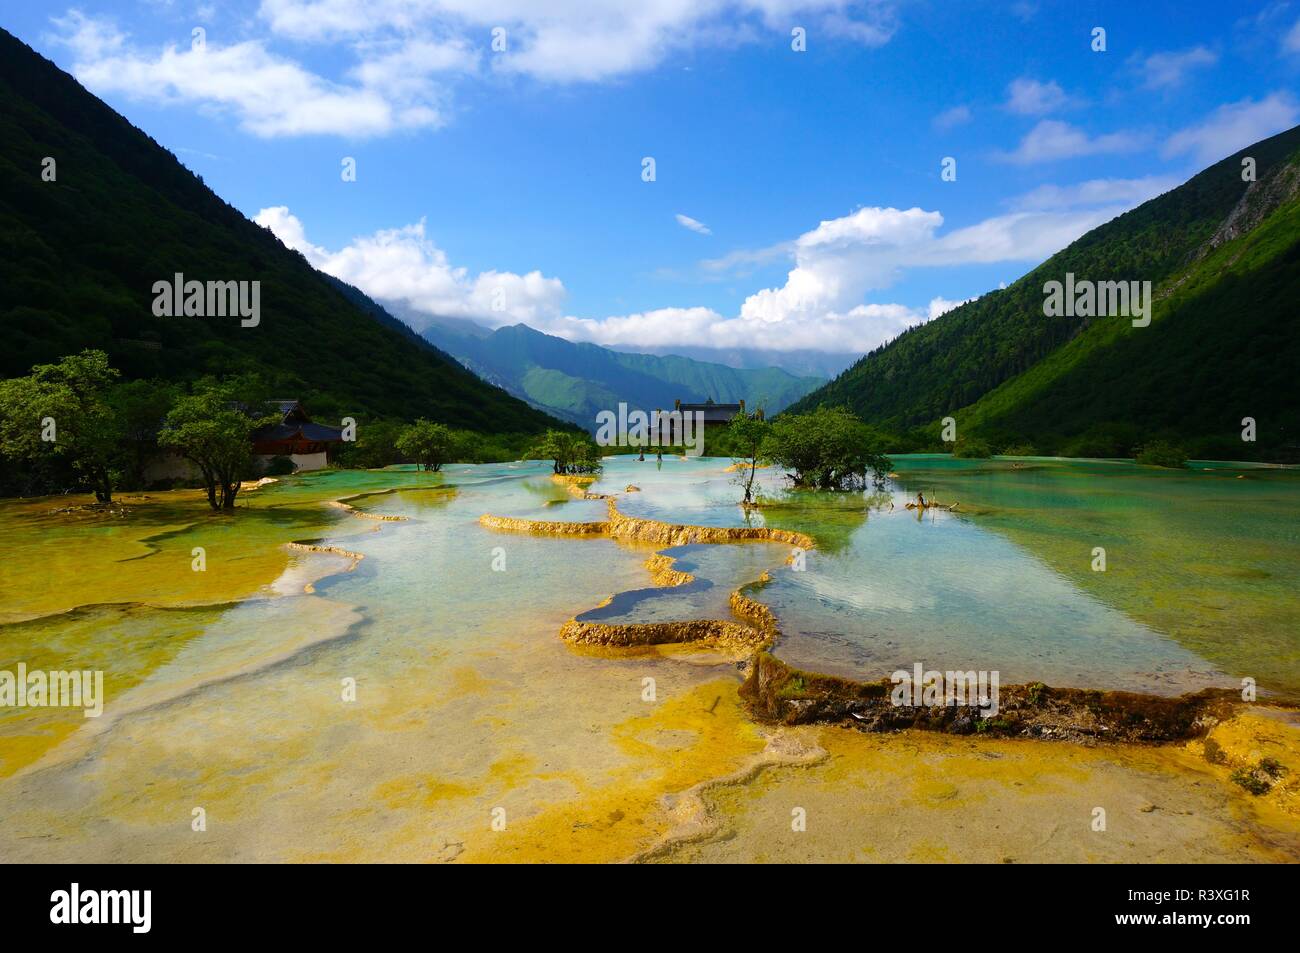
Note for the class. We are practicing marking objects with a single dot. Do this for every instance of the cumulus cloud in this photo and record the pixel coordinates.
(857, 329)
(1169, 70)
(685, 221)
(940, 306)
(1052, 140)
(840, 260)
(1029, 97)
(824, 303)
(1234, 126)
(403, 264)
(843, 260)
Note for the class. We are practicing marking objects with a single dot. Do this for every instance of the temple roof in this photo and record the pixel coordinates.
(316, 433)
(713, 413)
(295, 425)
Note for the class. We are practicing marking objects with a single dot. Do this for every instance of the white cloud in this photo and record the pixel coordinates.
(940, 306)
(1029, 97)
(840, 260)
(402, 56)
(403, 68)
(1234, 126)
(857, 329)
(402, 264)
(1095, 192)
(588, 41)
(270, 96)
(1053, 139)
(88, 38)
(685, 221)
(1168, 70)
(1028, 236)
(951, 118)
(822, 305)
(838, 263)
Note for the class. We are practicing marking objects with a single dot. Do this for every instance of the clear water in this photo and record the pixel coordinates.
(1198, 588)
(224, 686)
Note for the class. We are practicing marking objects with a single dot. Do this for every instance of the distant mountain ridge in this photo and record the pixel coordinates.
(576, 380)
(79, 256)
(801, 362)
(1223, 254)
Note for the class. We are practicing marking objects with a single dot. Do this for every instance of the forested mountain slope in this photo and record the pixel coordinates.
(1221, 253)
(79, 257)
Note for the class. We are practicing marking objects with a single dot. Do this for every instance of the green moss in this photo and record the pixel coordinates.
(1249, 780)
(793, 687)
(1272, 767)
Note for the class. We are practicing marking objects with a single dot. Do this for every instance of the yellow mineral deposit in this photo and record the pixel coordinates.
(477, 735)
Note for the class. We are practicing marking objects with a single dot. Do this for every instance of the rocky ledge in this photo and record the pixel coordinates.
(778, 693)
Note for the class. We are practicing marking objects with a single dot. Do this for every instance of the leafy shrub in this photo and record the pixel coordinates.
(1020, 450)
(429, 444)
(375, 446)
(828, 449)
(570, 452)
(1158, 453)
(279, 466)
(748, 435)
(971, 448)
(1103, 440)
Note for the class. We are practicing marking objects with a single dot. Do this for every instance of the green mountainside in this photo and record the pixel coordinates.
(1223, 343)
(574, 381)
(79, 257)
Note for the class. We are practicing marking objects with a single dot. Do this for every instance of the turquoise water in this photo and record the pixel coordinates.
(717, 570)
(466, 698)
(1198, 588)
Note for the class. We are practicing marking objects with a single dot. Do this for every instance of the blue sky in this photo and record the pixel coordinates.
(507, 185)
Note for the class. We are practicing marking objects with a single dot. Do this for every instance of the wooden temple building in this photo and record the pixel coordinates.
(308, 444)
(715, 415)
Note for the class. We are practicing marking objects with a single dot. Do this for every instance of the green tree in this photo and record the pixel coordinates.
(747, 436)
(585, 456)
(552, 446)
(971, 448)
(428, 444)
(471, 447)
(568, 452)
(61, 410)
(375, 446)
(213, 427)
(140, 407)
(1161, 453)
(827, 449)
